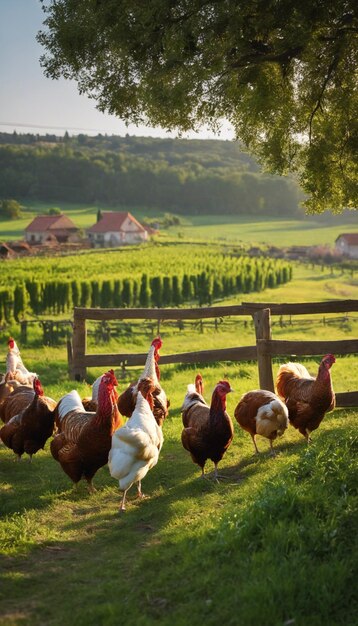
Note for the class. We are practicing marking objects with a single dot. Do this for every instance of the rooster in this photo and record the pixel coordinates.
(127, 400)
(84, 438)
(15, 366)
(136, 446)
(208, 431)
(261, 412)
(28, 430)
(308, 399)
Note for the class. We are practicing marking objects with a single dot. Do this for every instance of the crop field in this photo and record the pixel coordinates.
(274, 542)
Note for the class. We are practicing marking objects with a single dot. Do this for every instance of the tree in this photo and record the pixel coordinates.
(282, 72)
(10, 209)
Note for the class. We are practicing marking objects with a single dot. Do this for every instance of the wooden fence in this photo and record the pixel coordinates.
(264, 349)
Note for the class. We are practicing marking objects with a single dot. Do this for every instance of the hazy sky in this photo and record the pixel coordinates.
(30, 102)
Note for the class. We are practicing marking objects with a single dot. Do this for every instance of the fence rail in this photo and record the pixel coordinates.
(264, 349)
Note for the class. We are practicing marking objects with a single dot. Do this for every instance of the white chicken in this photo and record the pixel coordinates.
(15, 366)
(136, 446)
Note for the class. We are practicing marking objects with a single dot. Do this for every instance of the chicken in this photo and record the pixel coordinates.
(15, 366)
(84, 438)
(261, 412)
(308, 399)
(29, 430)
(16, 397)
(136, 446)
(7, 386)
(208, 431)
(127, 400)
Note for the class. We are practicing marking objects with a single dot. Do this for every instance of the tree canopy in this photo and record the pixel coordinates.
(283, 72)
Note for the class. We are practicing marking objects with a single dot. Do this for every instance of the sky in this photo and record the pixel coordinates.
(30, 102)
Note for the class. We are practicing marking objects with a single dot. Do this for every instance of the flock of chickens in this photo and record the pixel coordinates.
(90, 432)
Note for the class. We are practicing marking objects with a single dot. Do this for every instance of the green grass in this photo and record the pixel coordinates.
(273, 542)
(310, 231)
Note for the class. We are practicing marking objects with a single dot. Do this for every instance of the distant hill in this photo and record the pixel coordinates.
(179, 175)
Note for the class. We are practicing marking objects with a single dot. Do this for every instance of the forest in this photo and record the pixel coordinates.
(185, 176)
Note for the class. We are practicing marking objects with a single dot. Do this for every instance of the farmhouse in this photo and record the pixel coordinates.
(347, 244)
(46, 228)
(116, 228)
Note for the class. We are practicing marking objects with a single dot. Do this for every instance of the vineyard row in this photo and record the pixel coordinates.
(60, 296)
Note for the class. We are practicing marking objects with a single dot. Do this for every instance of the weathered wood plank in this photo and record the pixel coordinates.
(247, 353)
(246, 308)
(331, 306)
(275, 347)
(160, 314)
(347, 399)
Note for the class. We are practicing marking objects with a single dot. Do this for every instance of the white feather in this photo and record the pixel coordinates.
(70, 402)
(14, 363)
(192, 397)
(95, 388)
(135, 446)
(272, 416)
(149, 367)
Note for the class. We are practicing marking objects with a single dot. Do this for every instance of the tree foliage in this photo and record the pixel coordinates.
(10, 209)
(176, 174)
(282, 72)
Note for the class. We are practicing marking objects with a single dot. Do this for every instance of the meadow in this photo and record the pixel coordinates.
(244, 229)
(273, 543)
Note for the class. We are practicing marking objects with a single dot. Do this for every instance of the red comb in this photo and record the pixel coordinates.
(11, 343)
(38, 387)
(157, 343)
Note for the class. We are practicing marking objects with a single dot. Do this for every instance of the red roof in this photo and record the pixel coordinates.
(43, 223)
(112, 221)
(351, 238)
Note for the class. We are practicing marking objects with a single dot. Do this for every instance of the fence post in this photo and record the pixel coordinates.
(262, 321)
(69, 357)
(79, 348)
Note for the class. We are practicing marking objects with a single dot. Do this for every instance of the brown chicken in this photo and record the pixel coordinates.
(7, 386)
(208, 431)
(18, 398)
(308, 399)
(127, 400)
(261, 412)
(29, 430)
(84, 438)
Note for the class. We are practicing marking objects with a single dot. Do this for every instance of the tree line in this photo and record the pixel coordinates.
(184, 176)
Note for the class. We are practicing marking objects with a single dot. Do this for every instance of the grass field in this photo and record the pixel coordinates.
(273, 544)
(312, 230)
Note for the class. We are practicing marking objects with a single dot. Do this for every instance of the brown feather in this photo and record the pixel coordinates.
(208, 430)
(84, 439)
(308, 399)
(29, 430)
